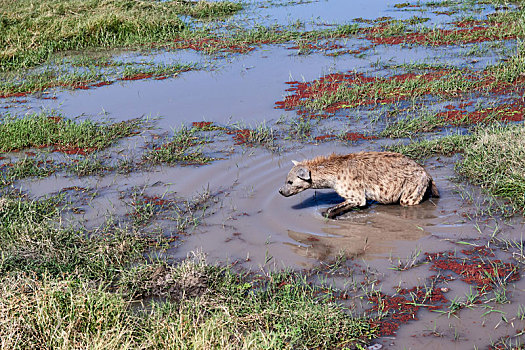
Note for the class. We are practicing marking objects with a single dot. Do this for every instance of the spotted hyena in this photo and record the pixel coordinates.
(385, 177)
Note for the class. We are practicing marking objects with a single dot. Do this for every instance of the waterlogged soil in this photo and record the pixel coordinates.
(231, 210)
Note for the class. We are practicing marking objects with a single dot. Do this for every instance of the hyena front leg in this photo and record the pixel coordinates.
(332, 212)
(352, 199)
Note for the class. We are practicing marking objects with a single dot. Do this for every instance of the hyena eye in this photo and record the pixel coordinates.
(290, 182)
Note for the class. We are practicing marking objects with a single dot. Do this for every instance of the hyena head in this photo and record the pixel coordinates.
(298, 180)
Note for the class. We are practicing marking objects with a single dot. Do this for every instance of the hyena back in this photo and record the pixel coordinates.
(385, 177)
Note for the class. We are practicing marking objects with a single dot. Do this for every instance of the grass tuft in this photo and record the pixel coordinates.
(183, 148)
(494, 160)
(446, 145)
(46, 130)
(31, 32)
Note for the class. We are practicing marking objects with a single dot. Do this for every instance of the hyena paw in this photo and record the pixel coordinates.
(329, 213)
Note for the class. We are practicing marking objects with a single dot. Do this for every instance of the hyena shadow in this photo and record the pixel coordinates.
(323, 199)
(319, 199)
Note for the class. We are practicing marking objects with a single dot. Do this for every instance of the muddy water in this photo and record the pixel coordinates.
(257, 222)
(249, 222)
(240, 89)
(252, 222)
(244, 89)
(338, 11)
(253, 225)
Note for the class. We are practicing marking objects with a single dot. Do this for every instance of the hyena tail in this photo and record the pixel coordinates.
(433, 188)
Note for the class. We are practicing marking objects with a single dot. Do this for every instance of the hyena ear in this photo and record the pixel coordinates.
(304, 174)
(295, 162)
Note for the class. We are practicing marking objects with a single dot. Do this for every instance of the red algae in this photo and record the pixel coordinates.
(441, 37)
(241, 137)
(479, 268)
(354, 136)
(403, 307)
(512, 112)
(72, 150)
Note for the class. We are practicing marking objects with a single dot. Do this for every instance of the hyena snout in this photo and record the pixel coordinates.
(298, 180)
(286, 191)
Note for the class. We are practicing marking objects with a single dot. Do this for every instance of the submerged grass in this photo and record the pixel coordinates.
(26, 167)
(30, 32)
(33, 242)
(51, 129)
(183, 148)
(64, 287)
(87, 75)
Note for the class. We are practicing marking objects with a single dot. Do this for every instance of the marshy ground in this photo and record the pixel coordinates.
(142, 144)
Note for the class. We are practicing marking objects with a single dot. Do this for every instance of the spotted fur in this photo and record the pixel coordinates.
(385, 177)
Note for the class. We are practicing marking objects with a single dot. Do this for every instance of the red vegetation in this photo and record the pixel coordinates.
(202, 125)
(155, 200)
(325, 137)
(351, 52)
(328, 93)
(82, 85)
(511, 112)
(137, 76)
(14, 94)
(335, 83)
(478, 268)
(73, 150)
(403, 307)
(241, 136)
(354, 136)
(55, 119)
(469, 32)
(318, 47)
(102, 83)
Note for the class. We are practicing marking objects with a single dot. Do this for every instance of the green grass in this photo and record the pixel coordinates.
(44, 129)
(183, 148)
(65, 287)
(31, 32)
(26, 167)
(89, 165)
(492, 158)
(80, 72)
(209, 307)
(32, 242)
(420, 150)
(422, 121)
(495, 161)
